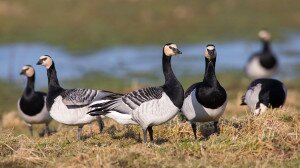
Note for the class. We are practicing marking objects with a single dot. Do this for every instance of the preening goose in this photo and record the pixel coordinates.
(205, 101)
(263, 94)
(69, 106)
(32, 104)
(150, 106)
(264, 63)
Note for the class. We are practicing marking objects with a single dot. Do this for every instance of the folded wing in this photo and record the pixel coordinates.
(84, 97)
(128, 102)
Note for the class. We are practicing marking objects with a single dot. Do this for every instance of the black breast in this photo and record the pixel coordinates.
(32, 104)
(211, 97)
(175, 93)
(272, 92)
(267, 60)
(52, 95)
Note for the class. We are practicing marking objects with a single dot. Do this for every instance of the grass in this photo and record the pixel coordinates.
(269, 140)
(9, 94)
(89, 25)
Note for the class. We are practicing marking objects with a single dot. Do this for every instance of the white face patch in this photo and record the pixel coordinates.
(29, 71)
(210, 48)
(25, 67)
(168, 51)
(262, 109)
(46, 61)
(206, 54)
(264, 35)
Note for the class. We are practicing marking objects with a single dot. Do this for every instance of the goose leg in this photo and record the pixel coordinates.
(100, 123)
(216, 127)
(150, 130)
(47, 130)
(30, 129)
(194, 127)
(91, 129)
(145, 135)
(79, 132)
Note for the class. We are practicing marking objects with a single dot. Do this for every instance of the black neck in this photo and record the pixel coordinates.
(172, 86)
(53, 83)
(266, 46)
(30, 85)
(207, 61)
(210, 76)
(167, 69)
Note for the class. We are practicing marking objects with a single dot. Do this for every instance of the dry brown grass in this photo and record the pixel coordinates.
(269, 140)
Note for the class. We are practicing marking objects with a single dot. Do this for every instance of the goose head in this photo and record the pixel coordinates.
(260, 109)
(210, 52)
(27, 70)
(170, 49)
(46, 61)
(264, 35)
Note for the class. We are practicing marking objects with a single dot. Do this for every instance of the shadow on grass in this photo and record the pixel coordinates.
(207, 129)
(131, 134)
(128, 134)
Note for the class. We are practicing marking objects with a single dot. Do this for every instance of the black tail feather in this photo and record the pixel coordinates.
(101, 108)
(96, 105)
(96, 112)
(243, 101)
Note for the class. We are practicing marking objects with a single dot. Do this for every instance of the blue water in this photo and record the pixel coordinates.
(123, 60)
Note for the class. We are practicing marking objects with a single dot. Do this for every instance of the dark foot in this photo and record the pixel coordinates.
(194, 127)
(30, 130)
(145, 135)
(79, 132)
(150, 130)
(47, 129)
(100, 123)
(217, 130)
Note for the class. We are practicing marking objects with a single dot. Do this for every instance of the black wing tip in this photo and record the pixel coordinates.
(94, 112)
(97, 112)
(94, 106)
(243, 103)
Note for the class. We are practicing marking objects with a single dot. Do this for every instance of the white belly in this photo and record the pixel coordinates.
(255, 70)
(40, 118)
(124, 119)
(72, 116)
(195, 112)
(155, 112)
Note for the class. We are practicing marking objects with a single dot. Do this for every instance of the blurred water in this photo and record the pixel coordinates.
(121, 61)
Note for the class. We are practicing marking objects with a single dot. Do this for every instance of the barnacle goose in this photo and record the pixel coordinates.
(32, 104)
(205, 101)
(69, 106)
(150, 106)
(264, 63)
(263, 94)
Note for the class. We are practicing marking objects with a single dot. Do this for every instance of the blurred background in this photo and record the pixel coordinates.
(116, 44)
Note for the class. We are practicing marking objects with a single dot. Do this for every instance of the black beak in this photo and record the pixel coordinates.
(23, 72)
(39, 62)
(211, 52)
(177, 51)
